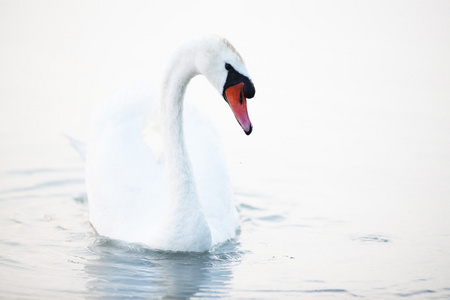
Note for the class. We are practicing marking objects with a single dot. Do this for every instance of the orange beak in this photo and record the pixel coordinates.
(234, 95)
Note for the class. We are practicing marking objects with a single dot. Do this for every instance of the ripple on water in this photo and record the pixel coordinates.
(246, 206)
(272, 218)
(372, 238)
(415, 293)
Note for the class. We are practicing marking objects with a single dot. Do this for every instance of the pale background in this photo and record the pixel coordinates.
(344, 183)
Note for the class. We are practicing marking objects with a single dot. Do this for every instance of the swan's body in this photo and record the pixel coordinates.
(183, 201)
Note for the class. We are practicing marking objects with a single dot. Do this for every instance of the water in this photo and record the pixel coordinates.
(343, 186)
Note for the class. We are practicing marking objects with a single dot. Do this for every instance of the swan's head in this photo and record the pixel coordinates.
(225, 69)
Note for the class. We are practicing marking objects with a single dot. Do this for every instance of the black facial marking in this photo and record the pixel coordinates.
(234, 77)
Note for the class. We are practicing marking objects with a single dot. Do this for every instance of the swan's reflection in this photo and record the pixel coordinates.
(119, 270)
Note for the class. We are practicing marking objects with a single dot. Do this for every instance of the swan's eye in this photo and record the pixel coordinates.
(228, 67)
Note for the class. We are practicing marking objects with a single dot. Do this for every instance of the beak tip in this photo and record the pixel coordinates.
(249, 130)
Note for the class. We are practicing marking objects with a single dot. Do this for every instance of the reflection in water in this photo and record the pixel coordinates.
(128, 270)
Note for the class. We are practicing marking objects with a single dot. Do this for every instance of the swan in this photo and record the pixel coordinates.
(181, 200)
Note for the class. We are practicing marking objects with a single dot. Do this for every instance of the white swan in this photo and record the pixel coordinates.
(183, 202)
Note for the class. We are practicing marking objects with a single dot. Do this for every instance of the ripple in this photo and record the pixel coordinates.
(248, 207)
(312, 291)
(272, 218)
(415, 293)
(326, 291)
(372, 238)
(44, 185)
(42, 170)
(82, 199)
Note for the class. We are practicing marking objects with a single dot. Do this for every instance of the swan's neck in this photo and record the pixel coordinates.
(185, 215)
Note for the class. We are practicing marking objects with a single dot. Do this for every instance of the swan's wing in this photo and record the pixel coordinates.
(126, 184)
(211, 175)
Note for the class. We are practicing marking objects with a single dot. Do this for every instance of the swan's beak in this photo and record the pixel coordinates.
(234, 95)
